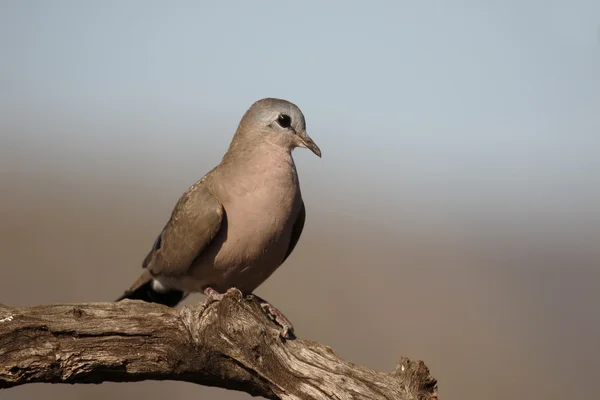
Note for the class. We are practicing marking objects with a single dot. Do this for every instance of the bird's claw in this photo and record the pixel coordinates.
(213, 296)
(287, 328)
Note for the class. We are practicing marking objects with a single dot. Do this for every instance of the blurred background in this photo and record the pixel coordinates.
(454, 216)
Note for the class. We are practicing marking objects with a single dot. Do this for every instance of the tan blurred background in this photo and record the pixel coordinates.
(454, 217)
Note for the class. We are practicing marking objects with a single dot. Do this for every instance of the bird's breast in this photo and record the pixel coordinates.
(260, 218)
(261, 207)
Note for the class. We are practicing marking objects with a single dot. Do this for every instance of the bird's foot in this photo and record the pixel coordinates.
(213, 296)
(287, 329)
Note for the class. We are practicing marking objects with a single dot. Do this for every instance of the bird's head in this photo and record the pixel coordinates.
(278, 122)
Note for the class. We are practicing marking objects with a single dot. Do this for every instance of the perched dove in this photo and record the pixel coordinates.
(235, 226)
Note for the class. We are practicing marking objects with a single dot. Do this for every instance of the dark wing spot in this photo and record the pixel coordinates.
(155, 248)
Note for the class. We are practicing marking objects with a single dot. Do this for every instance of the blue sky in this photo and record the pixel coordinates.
(493, 100)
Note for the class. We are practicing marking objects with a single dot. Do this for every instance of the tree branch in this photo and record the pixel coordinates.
(231, 344)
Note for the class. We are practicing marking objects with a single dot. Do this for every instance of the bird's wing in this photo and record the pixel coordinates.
(195, 221)
(296, 231)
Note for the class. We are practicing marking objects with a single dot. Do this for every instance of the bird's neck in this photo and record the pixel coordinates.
(265, 153)
(256, 159)
(263, 164)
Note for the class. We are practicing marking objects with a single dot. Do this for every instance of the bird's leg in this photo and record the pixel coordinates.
(287, 329)
(212, 296)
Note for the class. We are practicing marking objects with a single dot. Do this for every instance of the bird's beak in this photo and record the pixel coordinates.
(308, 143)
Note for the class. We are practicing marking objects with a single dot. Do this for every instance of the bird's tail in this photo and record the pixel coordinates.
(143, 290)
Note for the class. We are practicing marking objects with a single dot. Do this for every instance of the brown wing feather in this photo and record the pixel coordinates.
(296, 231)
(195, 221)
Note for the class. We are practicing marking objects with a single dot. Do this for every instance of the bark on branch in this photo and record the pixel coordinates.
(232, 344)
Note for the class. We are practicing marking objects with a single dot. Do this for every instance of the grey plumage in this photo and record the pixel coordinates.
(241, 221)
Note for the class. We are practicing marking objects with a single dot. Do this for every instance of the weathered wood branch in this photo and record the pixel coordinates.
(231, 344)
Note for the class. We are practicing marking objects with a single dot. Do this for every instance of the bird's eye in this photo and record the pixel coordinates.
(284, 120)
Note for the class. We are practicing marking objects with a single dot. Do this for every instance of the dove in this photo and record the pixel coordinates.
(234, 227)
